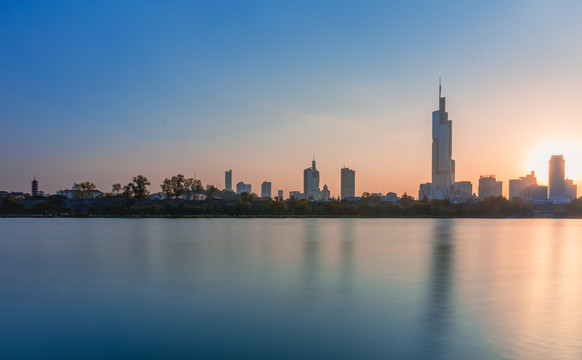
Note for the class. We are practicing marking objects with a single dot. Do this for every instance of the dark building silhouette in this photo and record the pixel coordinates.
(34, 187)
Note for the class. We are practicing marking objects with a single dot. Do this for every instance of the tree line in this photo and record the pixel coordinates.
(250, 205)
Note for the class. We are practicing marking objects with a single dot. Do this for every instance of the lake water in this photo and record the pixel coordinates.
(290, 288)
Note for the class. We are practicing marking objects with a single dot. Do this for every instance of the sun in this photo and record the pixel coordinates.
(572, 151)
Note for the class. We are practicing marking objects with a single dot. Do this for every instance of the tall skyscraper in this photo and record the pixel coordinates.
(443, 165)
(311, 182)
(348, 183)
(557, 178)
(266, 189)
(228, 180)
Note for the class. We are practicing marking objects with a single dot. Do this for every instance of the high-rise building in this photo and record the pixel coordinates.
(557, 178)
(311, 183)
(348, 182)
(241, 187)
(266, 189)
(34, 187)
(443, 165)
(561, 189)
(527, 189)
(280, 194)
(489, 187)
(228, 180)
(325, 194)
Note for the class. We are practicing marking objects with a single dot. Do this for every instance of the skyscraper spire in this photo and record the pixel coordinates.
(439, 87)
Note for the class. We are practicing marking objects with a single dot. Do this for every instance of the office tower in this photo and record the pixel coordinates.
(325, 193)
(348, 183)
(443, 165)
(311, 183)
(489, 187)
(280, 194)
(228, 180)
(527, 189)
(34, 187)
(266, 189)
(241, 187)
(557, 178)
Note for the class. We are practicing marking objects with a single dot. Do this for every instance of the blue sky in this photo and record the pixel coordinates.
(103, 91)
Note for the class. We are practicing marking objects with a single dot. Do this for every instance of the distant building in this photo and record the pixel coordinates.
(561, 189)
(325, 193)
(391, 197)
(425, 192)
(348, 182)
(463, 188)
(241, 187)
(443, 165)
(279, 194)
(527, 189)
(157, 196)
(75, 193)
(571, 189)
(34, 187)
(489, 187)
(297, 195)
(311, 183)
(12, 194)
(557, 178)
(266, 189)
(228, 180)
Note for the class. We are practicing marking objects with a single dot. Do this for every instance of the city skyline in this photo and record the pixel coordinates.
(156, 90)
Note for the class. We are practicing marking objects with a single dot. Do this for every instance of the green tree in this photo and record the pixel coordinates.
(210, 190)
(137, 188)
(406, 200)
(84, 188)
(116, 189)
(178, 185)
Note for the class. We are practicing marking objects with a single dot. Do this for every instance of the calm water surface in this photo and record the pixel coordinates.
(290, 288)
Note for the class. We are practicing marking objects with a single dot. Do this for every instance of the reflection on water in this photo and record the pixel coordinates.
(440, 288)
(290, 288)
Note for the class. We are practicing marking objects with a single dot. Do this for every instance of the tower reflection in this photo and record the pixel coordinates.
(438, 315)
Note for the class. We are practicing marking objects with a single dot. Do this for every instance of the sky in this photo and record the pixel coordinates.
(104, 91)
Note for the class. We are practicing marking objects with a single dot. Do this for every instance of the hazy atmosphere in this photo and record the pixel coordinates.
(103, 91)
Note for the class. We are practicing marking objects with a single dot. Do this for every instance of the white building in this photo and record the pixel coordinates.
(75, 193)
(348, 182)
(311, 183)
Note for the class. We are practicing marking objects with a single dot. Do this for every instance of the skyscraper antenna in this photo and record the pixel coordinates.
(439, 87)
